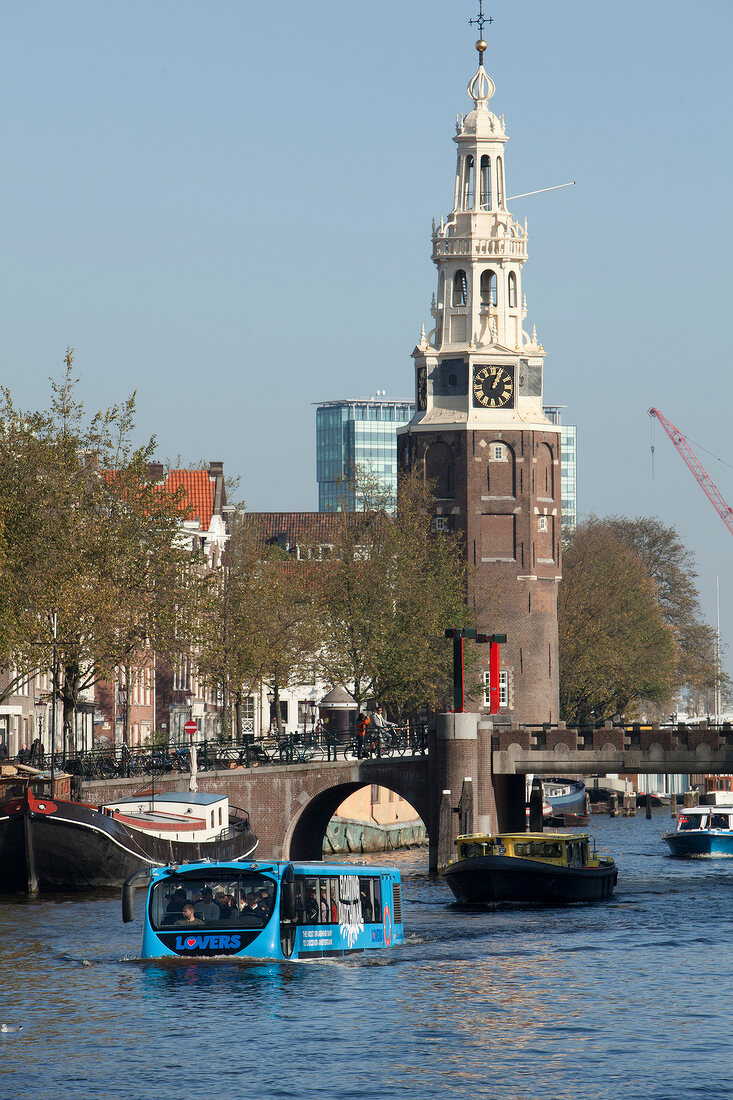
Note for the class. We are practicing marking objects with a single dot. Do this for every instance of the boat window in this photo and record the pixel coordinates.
(231, 899)
(539, 849)
(719, 821)
(696, 821)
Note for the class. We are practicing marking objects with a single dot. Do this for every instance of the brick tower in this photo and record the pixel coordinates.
(479, 432)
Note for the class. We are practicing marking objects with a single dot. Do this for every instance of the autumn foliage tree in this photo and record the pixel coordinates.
(88, 542)
(616, 646)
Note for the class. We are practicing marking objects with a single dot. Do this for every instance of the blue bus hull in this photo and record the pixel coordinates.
(348, 929)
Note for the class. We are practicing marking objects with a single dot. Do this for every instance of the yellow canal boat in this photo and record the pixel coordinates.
(530, 868)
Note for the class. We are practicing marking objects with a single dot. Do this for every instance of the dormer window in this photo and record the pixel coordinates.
(512, 290)
(460, 288)
(485, 183)
(488, 288)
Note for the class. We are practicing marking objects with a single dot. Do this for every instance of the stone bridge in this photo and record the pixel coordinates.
(472, 779)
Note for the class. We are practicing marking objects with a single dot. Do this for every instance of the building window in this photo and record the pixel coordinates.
(468, 183)
(503, 689)
(488, 288)
(460, 288)
(542, 523)
(440, 523)
(500, 183)
(486, 183)
(512, 290)
(497, 452)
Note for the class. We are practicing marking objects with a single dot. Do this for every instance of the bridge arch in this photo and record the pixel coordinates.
(306, 831)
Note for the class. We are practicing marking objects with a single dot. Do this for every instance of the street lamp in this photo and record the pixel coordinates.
(122, 702)
(40, 705)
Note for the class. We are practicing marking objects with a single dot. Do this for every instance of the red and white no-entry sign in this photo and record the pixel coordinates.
(190, 728)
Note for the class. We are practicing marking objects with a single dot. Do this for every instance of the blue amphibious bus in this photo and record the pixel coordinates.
(268, 910)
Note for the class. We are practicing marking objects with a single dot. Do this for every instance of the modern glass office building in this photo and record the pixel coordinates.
(355, 435)
(569, 466)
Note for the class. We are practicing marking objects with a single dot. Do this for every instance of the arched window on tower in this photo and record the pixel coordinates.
(500, 183)
(460, 288)
(512, 290)
(485, 183)
(488, 287)
(468, 183)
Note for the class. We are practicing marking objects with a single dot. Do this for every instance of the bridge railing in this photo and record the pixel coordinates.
(125, 762)
(635, 736)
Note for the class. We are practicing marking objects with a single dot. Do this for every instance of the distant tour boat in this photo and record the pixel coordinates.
(50, 843)
(702, 831)
(530, 868)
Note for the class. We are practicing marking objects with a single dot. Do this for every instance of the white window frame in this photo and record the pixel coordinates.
(503, 688)
(498, 452)
(440, 523)
(542, 524)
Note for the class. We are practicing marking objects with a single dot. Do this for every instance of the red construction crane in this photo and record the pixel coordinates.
(702, 477)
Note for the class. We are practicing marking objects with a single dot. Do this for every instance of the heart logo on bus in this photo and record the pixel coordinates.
(191, 941)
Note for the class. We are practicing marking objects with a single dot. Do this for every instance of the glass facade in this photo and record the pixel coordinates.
(569, 467)
(353, 435)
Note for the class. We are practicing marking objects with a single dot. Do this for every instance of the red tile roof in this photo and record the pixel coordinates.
(199, 489)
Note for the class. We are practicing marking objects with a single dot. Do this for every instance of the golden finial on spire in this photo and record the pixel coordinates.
(481, 45)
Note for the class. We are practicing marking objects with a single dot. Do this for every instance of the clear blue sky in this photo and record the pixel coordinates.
(226, 206)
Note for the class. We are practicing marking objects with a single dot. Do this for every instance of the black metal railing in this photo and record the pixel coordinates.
(125, 762)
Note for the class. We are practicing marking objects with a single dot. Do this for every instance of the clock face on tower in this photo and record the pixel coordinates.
(493, 386)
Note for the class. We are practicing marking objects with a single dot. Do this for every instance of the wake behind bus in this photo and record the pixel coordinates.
(267, 910)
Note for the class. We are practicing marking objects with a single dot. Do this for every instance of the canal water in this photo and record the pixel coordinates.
(632, 998)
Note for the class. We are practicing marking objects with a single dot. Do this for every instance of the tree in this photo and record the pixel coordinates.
(88, 543)
(672, 567)
(261, 621)
(615, 645)
(392, 586)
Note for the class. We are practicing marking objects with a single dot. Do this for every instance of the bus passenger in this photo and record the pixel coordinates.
(325, 909)
(366, 906)
(206, 907)
(188, 917)
(311, 907)
(175, 905)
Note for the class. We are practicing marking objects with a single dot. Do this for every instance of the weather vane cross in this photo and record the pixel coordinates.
(481, 18)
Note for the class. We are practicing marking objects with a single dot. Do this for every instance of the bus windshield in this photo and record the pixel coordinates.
(226, 899)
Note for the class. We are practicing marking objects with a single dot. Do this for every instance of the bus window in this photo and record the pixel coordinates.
(334, 900)
(311, 912)
(371, 900)
(231, 899)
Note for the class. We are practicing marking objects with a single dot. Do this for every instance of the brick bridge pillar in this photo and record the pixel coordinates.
(453, 757)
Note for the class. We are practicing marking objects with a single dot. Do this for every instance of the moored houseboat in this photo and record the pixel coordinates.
(56, 844)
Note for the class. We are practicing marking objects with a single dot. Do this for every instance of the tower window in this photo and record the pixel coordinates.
(500, 183)
(488, 287)
(542, 523)
(460, 288)
(485, 183)
(468, 183)
(512, 290)
(503, 689)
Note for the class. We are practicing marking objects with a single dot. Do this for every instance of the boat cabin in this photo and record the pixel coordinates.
(563, 849)
(195, 817)
(705, 819)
